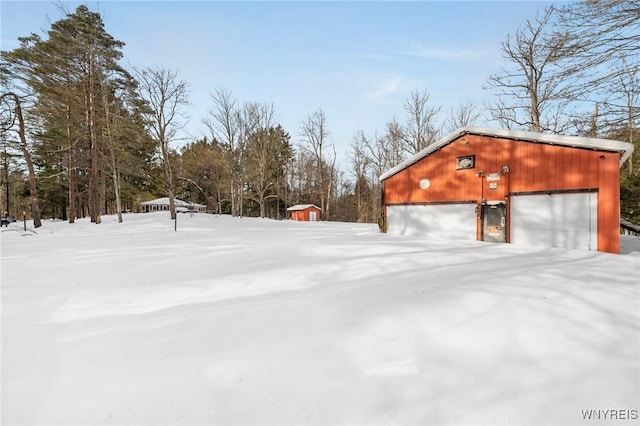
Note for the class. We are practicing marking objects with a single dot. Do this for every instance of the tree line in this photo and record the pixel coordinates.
(570, 70)
(83, 136)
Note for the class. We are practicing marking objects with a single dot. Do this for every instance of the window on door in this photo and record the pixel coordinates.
(495, 216)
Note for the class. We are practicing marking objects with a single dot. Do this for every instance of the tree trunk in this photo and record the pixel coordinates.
(116, 188)
(241, 182)
(234, 196)
(168, 178)
(72, 170)
(6, 180)
(33, 192)
(94, 176)
(278, 196)
(263, 206)
(115, 172)
(104, 208)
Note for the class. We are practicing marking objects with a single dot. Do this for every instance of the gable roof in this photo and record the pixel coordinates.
(164, 201)
(624, 148)
(301, 207)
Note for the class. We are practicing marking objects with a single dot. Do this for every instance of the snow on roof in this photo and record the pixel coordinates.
(302, 207)
(164, 201)
(624, 148)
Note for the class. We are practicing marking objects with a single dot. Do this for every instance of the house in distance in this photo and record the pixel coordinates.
(510, 186)
(304, 212)
(162, 204)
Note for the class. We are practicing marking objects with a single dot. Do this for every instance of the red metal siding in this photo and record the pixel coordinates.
(303, 215)
(532, 167)
(609, 203)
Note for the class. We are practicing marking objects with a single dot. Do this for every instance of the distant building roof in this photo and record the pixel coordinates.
(164, 201)
(301, 207)
(625, 149)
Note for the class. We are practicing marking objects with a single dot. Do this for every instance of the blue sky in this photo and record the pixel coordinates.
(357, 61)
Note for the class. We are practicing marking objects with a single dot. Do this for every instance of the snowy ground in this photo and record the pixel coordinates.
(254, 321)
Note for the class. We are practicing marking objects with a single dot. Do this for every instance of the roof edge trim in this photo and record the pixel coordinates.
(624, 148)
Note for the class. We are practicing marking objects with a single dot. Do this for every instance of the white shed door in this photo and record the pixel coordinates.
(556, 220)
(437, 221)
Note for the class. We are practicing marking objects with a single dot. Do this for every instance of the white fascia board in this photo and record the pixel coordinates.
(624, 148)
(302, 207)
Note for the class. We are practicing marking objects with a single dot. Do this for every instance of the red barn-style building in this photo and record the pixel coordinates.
(510, 186)
(305, 212)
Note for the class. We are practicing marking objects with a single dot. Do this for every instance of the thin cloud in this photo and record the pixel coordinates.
(387, 87)
(377, 56)
(419, 50)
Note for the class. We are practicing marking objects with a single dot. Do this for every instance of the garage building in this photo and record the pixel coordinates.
(304, 212)
(510, 186)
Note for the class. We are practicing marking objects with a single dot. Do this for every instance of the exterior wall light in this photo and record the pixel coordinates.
(480, 173)
(505, 170)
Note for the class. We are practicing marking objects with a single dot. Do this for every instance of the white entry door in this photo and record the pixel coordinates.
(312, 216)
(556, 220)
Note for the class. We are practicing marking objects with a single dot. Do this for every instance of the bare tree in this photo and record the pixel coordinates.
(617, 109)
(115, 171)
(604, 33)
(9, 123)
(260, 159)
(267, 152)
(300, 178)
(531, 93)
(622, 107)
(165, 95)
(465, 114)
(371, 157)
(606, 68)
(224, 125)
(248, 119)
(630, 91)
(315, 134)
(361, 165)
(420, 129)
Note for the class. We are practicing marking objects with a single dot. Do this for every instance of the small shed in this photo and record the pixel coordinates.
(162, 204)
(304, 212)
(510, 186)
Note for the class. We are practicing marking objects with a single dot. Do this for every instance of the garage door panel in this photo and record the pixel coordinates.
(439, 221)
(556, 220)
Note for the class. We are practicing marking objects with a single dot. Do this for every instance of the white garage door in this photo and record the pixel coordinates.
(437, 221)
(556, 220)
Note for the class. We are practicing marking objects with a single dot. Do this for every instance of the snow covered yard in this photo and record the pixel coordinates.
(255, 321)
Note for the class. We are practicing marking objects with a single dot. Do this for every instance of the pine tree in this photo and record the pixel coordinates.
(82, 100)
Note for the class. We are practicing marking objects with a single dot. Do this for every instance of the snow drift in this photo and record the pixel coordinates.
(255, 321)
